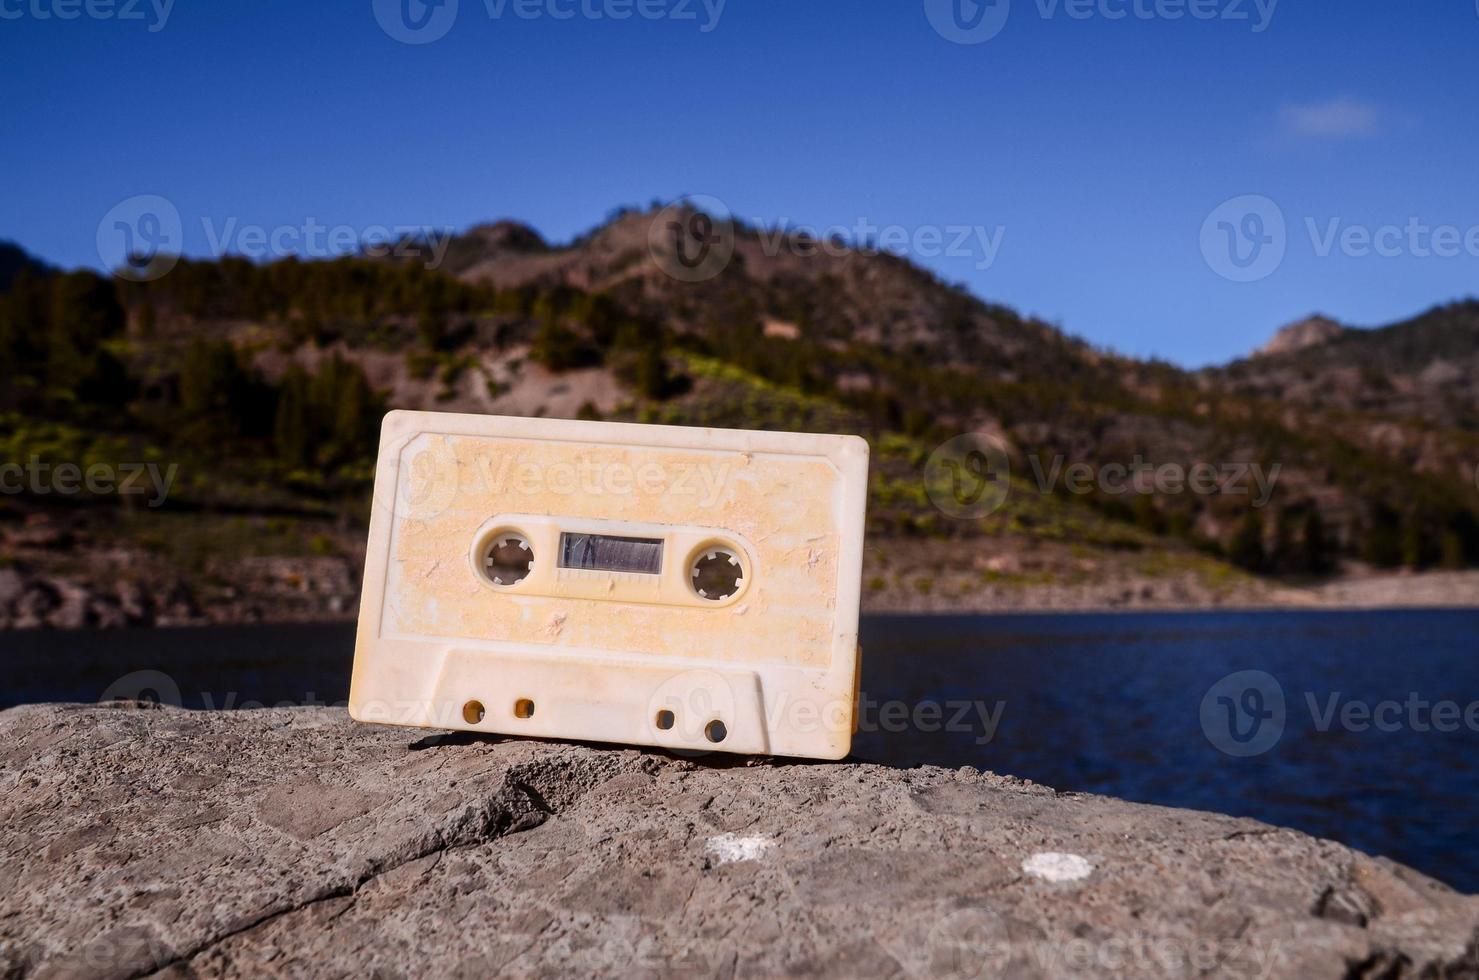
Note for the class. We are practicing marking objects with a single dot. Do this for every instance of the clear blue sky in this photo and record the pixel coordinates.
(1099, 146)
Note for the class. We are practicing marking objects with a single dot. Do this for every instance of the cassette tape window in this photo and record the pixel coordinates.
(607, 552)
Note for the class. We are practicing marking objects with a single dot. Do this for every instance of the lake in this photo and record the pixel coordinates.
(1362, 727)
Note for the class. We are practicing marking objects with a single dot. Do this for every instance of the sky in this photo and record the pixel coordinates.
(1170, 178)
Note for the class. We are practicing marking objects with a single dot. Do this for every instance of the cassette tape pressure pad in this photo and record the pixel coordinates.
(688, 588)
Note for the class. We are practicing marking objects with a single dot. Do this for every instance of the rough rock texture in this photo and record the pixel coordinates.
(67, 571)
(295, 842)
(1302, 334)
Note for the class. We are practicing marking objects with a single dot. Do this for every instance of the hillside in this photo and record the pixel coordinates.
(14, 259)
(1423, 371)
(263, 384)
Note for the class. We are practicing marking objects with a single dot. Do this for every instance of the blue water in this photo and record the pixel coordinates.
(1112, 704)
(1108, 704)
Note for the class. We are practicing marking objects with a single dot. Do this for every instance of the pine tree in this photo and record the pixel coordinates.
(555, 346)
(1313, 543)
(1283, 557)
(1246, 547)
(1452, 550)
(651, 372)
(1383, 546)
(291, 432)
(1414, 542)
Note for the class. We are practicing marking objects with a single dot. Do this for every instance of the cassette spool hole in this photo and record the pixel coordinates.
(523, 708)
(472, 712)
(717, 574)
(507, 558)
(715, 731)
(665, 720)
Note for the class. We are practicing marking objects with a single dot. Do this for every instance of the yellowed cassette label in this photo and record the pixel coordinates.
(683, 587)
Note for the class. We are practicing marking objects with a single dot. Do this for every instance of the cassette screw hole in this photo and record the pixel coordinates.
(507, 559)
(472, 712)
(665, 720)
(717, 574)
(523, 708)
(715, 731)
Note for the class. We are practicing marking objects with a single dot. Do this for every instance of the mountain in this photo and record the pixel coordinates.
(1360, 422)
(14, 259)
(1421, 375)
(1332, 451)
(837, 294)
(1297, 336)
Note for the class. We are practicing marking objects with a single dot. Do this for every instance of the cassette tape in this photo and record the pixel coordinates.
(694, 589)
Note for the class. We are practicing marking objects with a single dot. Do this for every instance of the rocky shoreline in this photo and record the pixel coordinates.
(63, 572)
(1413, 590)
(144, 841)
(326, 590)
(257, 590)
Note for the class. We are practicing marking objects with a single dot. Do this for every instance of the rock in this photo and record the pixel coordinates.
(137, 604)
(39, 532)
(323, 587)
(178, 606)
(12, 586)
(1349, 905)
(508, 236)
(106, 612)
(292, 842)
(1302, 334)
(36, 604)
(1441, 374)
(71, 612)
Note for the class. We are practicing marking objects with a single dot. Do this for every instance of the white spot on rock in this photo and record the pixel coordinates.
(1055, 866)
(727, 848)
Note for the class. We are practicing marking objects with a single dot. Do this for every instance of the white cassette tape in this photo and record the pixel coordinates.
(688, 588)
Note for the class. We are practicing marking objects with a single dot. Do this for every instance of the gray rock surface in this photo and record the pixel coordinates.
(296, 842)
